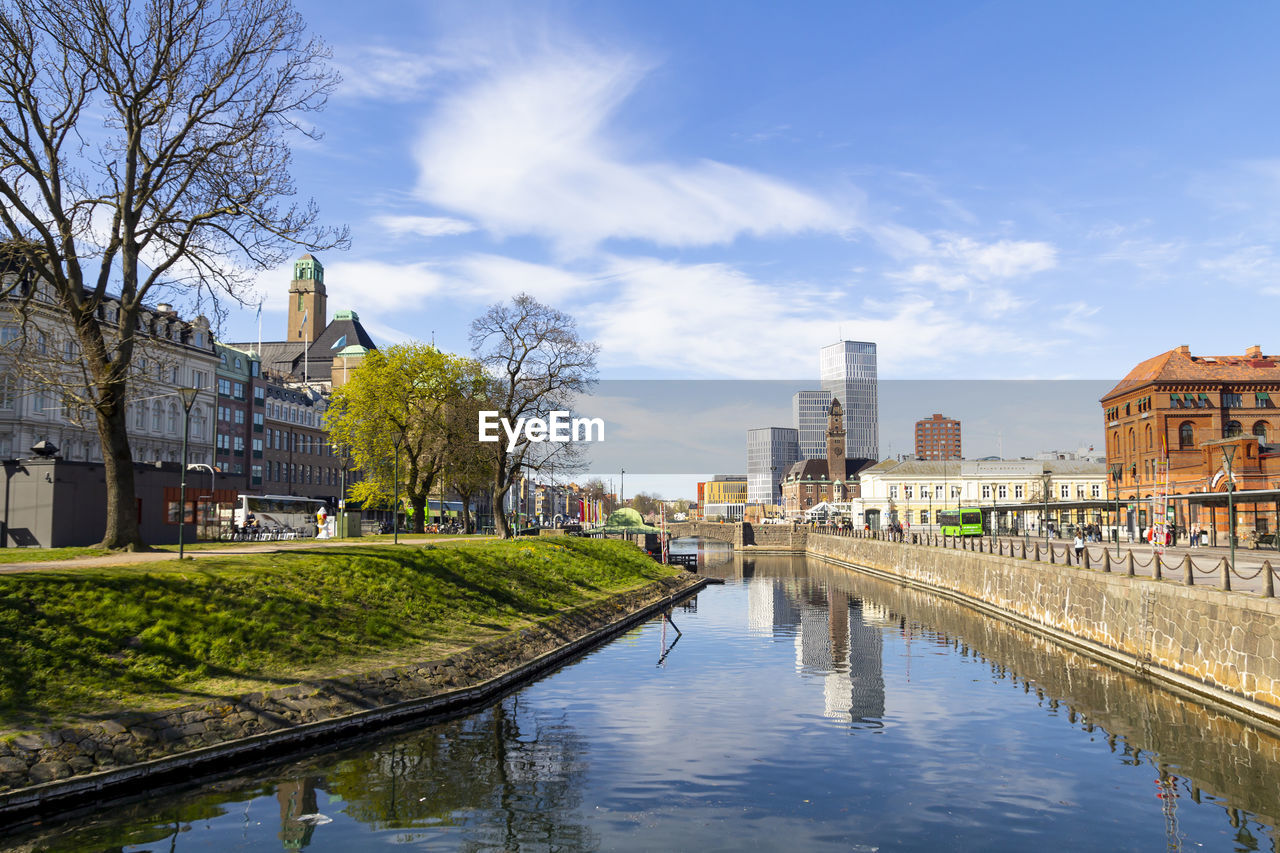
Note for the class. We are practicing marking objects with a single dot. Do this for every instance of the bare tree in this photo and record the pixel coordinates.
(538, 364)
(144, 148)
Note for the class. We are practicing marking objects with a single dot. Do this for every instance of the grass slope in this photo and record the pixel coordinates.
(92, 641)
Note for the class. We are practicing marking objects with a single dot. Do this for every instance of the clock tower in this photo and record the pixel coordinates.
(307, 317)
(835, 450)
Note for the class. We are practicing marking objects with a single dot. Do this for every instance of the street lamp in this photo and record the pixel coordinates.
(395, 504)
(1228, 456)
(1044, 516)
(622, 488)
(188, 396)
(344, 453)
(1116, 470)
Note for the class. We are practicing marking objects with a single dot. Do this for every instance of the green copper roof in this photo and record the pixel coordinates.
(353, 351)
(346, 315)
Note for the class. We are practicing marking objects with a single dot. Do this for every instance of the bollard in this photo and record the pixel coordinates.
(1188, 570)
(1051, 554)
(1268, 582)
(1155, 565)
(1106, 560)
(1086, 557)
(1226, 575)
(1129, 560)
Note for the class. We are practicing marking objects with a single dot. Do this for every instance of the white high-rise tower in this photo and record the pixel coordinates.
(848, 372)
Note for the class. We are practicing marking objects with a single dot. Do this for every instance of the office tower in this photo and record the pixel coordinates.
(770, 452)
(809, 410)
(848, 372)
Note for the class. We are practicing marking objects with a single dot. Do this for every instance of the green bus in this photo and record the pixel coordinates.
(966, 521)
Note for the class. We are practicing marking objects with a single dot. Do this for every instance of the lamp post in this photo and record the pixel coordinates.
(344, 453)
(188, 396)
(622, 488)
(1116, 470)
(1228, 456)
(395, 504)
(1044, 516)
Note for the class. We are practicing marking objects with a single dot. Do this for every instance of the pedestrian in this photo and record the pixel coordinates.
(1079, 545)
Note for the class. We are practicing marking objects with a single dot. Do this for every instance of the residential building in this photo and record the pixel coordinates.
(770, 452)
(938, 437)
(809, 415)
(848, 372)
(238, 422)
(296, 457)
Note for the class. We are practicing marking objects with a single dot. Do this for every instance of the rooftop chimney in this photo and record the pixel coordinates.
(1253, 352)
(1183, 350)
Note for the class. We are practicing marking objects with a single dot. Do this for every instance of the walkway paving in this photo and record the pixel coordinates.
(131, 558)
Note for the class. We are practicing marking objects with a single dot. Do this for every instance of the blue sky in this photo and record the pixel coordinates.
(715, 189)
(1001, 189)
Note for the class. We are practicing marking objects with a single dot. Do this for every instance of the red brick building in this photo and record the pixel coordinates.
(938, 437)
(1189, 408)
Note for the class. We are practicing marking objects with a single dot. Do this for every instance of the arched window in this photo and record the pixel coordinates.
(140, 415)
(1232, 429)
(173, 417)
(157, 416)
(197, 423)
(1133, 440)
(1115, 443)
(1260, 430)
(1186, 435)
(1148, 432)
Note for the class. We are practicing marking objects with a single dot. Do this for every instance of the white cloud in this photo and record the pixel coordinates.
(384, 73)
(956, 262)
(423, 226)
(529, 150)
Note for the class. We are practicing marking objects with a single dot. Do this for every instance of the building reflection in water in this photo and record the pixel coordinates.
(836, 636)
(297, 799)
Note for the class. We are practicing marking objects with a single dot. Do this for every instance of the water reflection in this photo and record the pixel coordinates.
(805, 707)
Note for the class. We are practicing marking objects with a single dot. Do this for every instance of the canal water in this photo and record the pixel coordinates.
(797, 707)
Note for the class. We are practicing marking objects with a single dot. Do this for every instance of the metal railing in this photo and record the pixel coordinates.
(1092, 556)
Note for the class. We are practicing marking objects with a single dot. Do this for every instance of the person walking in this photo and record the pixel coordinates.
(1079, 546)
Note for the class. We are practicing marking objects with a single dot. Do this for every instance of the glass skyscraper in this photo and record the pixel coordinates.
(809, 416)
(770, 452)
(848, 373)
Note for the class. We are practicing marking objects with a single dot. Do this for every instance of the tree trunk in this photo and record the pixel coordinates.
(122, 532)
(419, 503)
(465, 497)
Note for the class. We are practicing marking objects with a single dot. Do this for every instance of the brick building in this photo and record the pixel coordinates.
(810, 482)
(1191, 408)
(938, 437)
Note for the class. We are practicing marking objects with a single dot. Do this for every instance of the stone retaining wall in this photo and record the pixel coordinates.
(37, 768)
(1222, 645)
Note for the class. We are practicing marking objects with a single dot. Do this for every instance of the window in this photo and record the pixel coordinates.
(1095, 491)
(1232, 401)
(907, 492)
(1065, 491)
(257, 421)
(955, 492)
(199, 379)
(1175, 401)
(173, 417)
(1232, 429)
(224, 359)
(197, 423)
(258, 392)
(175, 376)
(239, 416)
(1133, 440)
(140, 415)
(1147, 432)
(1019, 491)
(38, 402)
(1260, 430)
(257, 445)
(1002, 492)
(239, 363)
(257, 472)
(1263, 400)
(924, 516)
(1186, 435)
(893, 492)
(224, 387)
(239, 390)
(238, 443)
(8, 334)
(986, 492)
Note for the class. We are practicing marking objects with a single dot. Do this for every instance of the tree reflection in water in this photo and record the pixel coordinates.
(506, 780)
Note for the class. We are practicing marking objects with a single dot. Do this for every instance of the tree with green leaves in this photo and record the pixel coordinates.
(396, 413)
(144, 158)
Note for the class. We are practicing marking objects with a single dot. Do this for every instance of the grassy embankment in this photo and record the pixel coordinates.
(94, 641)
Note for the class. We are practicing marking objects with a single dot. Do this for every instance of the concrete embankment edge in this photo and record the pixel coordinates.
(245, 752)
(1224, 637)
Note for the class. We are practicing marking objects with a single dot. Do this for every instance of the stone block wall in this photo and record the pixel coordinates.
(1224, 645)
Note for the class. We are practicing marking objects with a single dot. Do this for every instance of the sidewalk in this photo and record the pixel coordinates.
(131, 558)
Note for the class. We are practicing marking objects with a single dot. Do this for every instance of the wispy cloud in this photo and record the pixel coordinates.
(956, 262)
(531, 148)
(423, 226)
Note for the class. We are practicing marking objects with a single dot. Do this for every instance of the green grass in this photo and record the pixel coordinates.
(41, 555)
(92, 641)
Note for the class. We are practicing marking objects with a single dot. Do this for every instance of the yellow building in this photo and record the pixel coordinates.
(726, 491)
